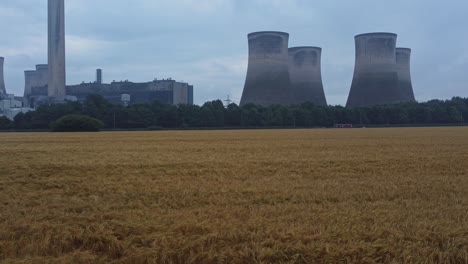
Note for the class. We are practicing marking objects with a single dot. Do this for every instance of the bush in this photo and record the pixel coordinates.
(5, 123)
(77, 123)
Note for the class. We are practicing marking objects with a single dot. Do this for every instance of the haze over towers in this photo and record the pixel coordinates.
(56, 49)
(382, 72)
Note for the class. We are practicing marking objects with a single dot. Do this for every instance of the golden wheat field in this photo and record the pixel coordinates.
(262, 196)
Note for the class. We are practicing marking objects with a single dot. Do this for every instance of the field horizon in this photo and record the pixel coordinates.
(381, 195)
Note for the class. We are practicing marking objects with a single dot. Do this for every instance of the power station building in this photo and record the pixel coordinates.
(378, 78)
(167, 91)
(306, 75)
(10, 105)
(268, 81)
(56, 53)
(47, 84)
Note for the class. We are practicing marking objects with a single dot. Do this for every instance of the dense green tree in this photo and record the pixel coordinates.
(5, 123)
(455, 116)
(233, 115)
(251, 115)
(76, 123)
(189, 116)
(214, 114)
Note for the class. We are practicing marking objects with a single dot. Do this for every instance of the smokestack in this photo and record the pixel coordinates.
(99, 76)
(30, 81)
(56, 23)
(306, 75)
(2, 78)
(268, 80)
(403, 60)
(375, 79)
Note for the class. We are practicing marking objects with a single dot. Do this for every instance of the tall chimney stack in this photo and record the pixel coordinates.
(99, 76)
(56, 24)
(2, 79)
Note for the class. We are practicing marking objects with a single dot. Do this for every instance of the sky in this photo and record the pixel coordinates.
(204, 42)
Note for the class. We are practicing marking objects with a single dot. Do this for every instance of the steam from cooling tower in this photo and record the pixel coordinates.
(306, 75)
(56, 43)
(268, 81)
(2, 78)
(403, 61)
(375, 79)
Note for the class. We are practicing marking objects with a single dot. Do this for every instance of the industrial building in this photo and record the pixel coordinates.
(403, 61)
(268, 81)
(306, 75)
(123, 92)
(47, 83)
(10, 106)
(378, 78)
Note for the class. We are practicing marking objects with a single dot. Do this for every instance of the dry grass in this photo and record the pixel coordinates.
(285, 196)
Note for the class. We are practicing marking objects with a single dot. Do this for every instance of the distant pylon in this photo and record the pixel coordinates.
(228, 101)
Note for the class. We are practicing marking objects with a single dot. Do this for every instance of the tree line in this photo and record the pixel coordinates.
(215, 115)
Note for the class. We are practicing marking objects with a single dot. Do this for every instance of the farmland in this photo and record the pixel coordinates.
(396, 195)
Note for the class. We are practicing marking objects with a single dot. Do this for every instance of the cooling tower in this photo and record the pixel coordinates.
(2, 78)
(30, 81)
(268, 80)
(403, 60)
(56, 52)
(306, 75)
(375, 79)
(42, 74)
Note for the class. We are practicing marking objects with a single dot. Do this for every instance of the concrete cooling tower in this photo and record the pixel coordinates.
(403, 60)
(268, 80)
(56, 43)
(306, 75)
(37, 78)
(30, 81)
(2, 78)
(42, 74)
(375, 79)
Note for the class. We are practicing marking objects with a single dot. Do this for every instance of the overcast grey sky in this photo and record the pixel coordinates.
(204, 42)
